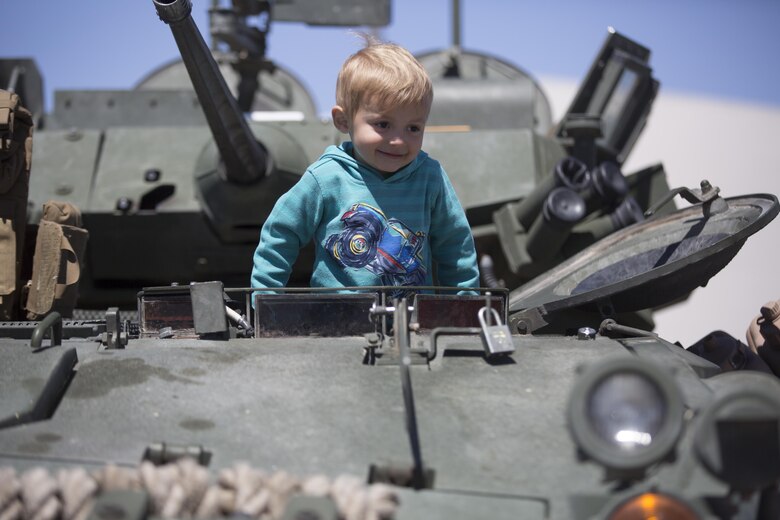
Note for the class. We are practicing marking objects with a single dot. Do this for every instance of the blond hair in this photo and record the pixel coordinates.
(381, 75)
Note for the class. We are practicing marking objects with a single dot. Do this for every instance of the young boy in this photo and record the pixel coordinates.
(379, 209)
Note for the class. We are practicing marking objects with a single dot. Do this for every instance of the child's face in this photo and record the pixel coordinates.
(385, 139)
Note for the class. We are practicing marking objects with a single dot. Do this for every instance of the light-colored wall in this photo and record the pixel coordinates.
(736, 146)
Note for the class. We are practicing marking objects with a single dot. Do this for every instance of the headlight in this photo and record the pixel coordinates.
(625, 414)
(738, 434)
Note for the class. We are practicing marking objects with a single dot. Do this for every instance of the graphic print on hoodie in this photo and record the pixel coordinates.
(386, 247)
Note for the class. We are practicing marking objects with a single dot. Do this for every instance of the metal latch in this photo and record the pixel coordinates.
(163, 453)
(496, 339)
(114, 337)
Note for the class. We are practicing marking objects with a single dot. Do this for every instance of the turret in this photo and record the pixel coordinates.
(244, 160)
(243, 171)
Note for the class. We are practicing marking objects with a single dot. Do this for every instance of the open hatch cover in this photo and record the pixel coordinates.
(646, 265)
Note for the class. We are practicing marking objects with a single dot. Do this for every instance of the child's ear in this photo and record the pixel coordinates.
(340, 119)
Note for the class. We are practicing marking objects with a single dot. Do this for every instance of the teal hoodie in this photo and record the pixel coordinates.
(369, 230)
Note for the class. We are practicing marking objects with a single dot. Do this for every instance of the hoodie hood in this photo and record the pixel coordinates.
(343, 154)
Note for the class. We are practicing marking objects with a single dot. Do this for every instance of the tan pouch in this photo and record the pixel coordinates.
(59, 251)
(15, 158)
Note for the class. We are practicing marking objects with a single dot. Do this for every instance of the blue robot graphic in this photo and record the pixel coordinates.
(386, 247)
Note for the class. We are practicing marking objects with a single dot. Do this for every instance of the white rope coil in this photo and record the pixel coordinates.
(182, 490)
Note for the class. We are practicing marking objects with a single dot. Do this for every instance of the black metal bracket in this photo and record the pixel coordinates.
(708, 195)
(611, 328)
(448, 331)
(52, 322)
(527, 321)
(113, 337)
(163, 453)
(401, 476)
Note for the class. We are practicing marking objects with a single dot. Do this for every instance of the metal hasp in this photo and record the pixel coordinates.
(380, 350)
(435, 315)
(642, 266)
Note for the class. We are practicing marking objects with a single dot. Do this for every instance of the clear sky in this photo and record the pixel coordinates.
(715, 48)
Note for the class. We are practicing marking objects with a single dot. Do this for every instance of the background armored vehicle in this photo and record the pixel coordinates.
(167, 195)
(466, 405)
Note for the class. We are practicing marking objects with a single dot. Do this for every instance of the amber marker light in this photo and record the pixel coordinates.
(653, 506)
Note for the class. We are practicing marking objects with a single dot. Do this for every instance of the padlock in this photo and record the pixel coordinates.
(496, 339)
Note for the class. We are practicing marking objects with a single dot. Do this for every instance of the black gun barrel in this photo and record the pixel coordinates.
(561, 210)
(569, 172)
(244, 159)
(608, 188)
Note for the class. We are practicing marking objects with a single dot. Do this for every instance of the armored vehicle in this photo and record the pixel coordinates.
(547, 397)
